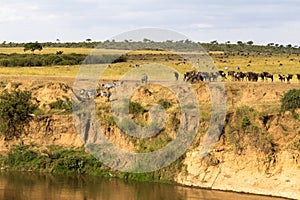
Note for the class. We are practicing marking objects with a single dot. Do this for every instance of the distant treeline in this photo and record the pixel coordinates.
(28, 60)
(183, 45)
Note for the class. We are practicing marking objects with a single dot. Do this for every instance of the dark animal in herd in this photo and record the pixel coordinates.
(288, 77)
(194, 76)
(265, 75)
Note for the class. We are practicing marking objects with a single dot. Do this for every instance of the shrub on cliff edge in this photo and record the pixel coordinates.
(291, 101)
(15, 109)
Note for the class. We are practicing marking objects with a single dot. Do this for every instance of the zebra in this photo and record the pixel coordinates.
(109, 85)
(106, 94)
(112, 85)
(89, 93)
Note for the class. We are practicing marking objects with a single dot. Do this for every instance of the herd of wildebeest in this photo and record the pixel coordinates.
(196, 76)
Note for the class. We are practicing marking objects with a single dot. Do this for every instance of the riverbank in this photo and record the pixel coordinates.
(258, 151)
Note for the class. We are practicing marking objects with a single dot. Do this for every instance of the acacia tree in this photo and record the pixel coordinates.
(15, 107)
(32, 46)
(250, 42)
(239, 42)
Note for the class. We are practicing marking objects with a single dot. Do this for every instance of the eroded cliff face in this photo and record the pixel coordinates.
(246, 173)
(259, 159)
(258, 151)
(48, 130)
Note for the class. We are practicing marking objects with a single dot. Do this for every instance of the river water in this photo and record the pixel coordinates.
(15, 186)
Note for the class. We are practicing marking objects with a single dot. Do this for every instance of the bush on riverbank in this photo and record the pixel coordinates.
(58, 160)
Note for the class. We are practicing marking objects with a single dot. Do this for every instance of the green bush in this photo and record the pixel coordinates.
(244, 131)
(24, 60)
(33, 46)
(122, 58)
(246, 122)
(15, 107)
(136, 108)
(165, 103)
(61, 104)
(291, 100)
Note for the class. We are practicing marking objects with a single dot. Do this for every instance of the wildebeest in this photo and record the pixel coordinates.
(144, 79)
(231, 73)
(237, 76)
(193, 76)
(208, 76)
(222, 74)
(252, 76)
(289, 77)
(281, 77)
(265, 75)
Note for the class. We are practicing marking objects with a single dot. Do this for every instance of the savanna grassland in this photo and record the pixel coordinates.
(256, 62)
(258, 148)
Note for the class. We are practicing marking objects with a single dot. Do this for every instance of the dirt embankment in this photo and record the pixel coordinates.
(257, 153)
(260, 161)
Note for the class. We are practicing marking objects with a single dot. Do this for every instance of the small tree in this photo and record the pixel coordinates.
(239, 42)
(250, 42)
(32, 46)
(15, 107)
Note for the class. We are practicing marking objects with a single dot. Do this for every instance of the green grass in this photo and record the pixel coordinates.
(260, 63)
(60, 71)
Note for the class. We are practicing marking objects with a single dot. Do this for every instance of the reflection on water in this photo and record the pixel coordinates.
(44, 186)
